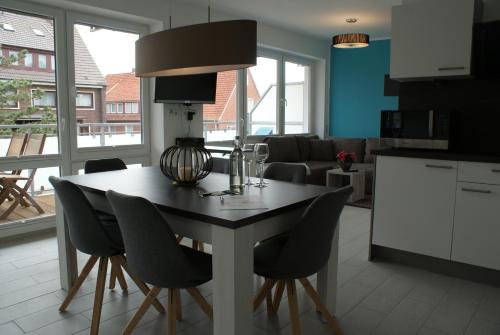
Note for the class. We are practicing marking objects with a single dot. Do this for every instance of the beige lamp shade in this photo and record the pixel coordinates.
(347, 41)
(196, 49)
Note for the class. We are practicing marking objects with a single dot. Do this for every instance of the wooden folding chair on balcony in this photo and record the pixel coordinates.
(16, 148)
(34, 146)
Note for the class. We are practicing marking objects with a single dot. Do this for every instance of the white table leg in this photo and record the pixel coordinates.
(327, 277)
(68, 266)
(232, 252)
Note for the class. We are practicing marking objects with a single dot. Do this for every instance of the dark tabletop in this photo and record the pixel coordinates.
(436, 154)
(150, 183)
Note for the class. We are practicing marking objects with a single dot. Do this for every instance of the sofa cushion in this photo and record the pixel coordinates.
(317, 171)
(303, 141)
(322, 150)
(373, 143)
(282, 149)
(356, 145)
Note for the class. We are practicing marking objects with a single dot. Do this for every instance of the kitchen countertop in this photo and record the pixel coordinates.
(436, 154)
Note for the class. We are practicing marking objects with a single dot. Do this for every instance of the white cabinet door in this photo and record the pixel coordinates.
(432, 39)
(414, 205)
(476, 234)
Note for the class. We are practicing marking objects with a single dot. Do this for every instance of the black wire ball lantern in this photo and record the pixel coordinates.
(187, 161)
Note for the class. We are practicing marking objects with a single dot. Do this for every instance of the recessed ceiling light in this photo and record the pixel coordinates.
(351, 20)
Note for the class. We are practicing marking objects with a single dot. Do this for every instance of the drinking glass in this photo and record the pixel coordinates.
(261, 155)
(249, 155)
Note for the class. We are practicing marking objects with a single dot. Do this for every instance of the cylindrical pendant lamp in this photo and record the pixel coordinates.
(196, 49)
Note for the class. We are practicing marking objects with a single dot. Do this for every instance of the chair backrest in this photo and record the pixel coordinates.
(104, 165)
(220, 165)
(85, 230)
(35, 144)
(17, 144)
(293, 173)
(152, 250)
(309, 245)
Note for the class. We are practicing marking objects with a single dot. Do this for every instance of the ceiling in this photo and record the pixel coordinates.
(321, 18)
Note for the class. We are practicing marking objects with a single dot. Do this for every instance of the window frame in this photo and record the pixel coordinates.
(121, 151)
(92, 107)
(38, 61)
(30, 54)
(45, 91)
(17, 107)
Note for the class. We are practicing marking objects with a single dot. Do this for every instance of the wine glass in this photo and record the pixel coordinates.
(261, 155)
(249, 155)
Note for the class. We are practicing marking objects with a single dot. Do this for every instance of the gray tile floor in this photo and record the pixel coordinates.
(373, 298)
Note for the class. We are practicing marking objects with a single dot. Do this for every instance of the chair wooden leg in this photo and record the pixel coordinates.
(150, 298)
(112, 278)
(23, 192)
(202, 302)
(261, 295)
(179, 238)
(115, 263)
(140, 284)
(99, 295)
(278, 295)
(178, 305)
(293, 306)
(269, 303)
(319, 304)
(172, 309)
(81, 278)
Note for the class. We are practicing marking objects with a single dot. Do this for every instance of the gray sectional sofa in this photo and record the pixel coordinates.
(319, 155)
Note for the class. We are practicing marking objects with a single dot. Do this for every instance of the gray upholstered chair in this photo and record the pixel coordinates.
(304, 252)
(154, 254)
(102, 242)
(293, 173)
(105, 165)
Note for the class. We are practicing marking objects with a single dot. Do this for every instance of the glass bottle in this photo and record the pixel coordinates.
(236, 172)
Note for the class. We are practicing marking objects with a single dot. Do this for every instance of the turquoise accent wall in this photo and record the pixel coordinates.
(357, 90)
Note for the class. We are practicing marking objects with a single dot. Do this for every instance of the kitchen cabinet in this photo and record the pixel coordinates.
(432, 39)
(414, 205)
(476, 232)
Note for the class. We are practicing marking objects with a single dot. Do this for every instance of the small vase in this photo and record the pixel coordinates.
(345, 165)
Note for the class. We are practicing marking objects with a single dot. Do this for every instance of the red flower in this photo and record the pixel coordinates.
(346, 156)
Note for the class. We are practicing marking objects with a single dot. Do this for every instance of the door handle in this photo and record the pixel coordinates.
(473, 190)
(451, 68)
(433, 166)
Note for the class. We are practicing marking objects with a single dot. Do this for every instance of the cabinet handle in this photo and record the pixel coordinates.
(446, 167)
(451, 68)
(495, 170)
(476, 190)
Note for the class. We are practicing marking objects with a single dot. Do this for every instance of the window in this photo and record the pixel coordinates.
(113, 79)
(38, 32)
(8, 27)
(220, 119)
(10, 103)
(52, 63)
(85, 100)
(28, 60)
(262, 90)
(14, 56)
(48, 99)
(131, 107)
(297, 100)
(42, 61)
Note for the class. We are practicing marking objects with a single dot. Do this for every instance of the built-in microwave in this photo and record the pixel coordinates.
(416, 128)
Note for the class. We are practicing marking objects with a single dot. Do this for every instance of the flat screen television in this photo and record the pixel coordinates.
(192, 89)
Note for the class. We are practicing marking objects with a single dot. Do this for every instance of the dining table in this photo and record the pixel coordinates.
(232, 224)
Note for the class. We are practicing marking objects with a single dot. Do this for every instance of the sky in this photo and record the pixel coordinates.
(113, 51)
